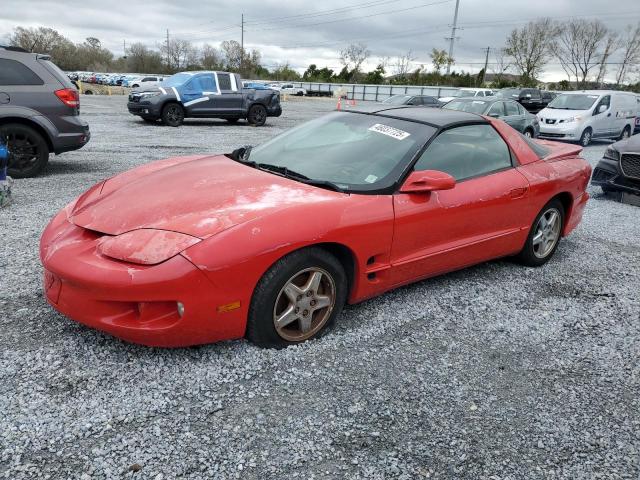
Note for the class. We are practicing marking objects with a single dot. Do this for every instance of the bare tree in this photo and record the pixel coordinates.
(403, 64)
(530, 47)
(631, 55)
(179, 53)
(354, 55)
(611, 45)
(210, 58)
(580, 48)
(501, 64)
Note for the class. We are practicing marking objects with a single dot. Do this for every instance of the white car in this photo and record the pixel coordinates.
(588, 114)
(145, 81)
(468, 92)
(289, 88)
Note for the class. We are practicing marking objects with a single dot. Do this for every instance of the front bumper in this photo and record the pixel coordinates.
(608, 175)
(144, 108)
(274, 111)
(568, 131)
(137, 303)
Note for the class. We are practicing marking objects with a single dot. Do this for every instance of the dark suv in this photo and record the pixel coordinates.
(39, 111)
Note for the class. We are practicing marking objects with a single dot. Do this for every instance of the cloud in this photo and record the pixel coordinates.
(299, 33)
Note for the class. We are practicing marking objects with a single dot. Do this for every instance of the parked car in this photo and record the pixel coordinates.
(468, 92)
(145, 81)
(269, 243)
(533, 99)
(508, 111)
(39, 111)
(290, 89)
(256, 86)
(637, 127)
(204, 94)
(619, 169)
(422, 100)
(584, 115)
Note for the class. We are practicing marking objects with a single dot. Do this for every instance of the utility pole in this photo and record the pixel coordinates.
(241, 43)
(452, 39)
(486, 64)
(124, 48)
(168, 61)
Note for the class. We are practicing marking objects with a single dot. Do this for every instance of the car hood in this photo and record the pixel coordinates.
(560, 114)
(629, 145)
(199, 196)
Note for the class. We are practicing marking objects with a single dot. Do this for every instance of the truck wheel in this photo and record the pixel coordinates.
(257, 115)
(172, 115)
(28, 150)
(626, 133)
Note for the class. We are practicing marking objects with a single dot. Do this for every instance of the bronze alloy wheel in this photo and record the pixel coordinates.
(547, 233)
(304, 305)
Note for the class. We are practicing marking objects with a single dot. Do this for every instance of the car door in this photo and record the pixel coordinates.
(515, 115)
(496, 110)
(479, 219)
(602, 119)
(195, 102)
(230, 100)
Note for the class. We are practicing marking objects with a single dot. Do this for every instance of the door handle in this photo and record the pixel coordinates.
(609, 114)
(518, 192)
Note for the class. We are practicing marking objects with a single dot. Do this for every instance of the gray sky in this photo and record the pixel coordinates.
(302, 32)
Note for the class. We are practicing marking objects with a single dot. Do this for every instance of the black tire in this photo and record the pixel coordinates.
(626, 133)
(28, 150)
(586, 137)
(300, 94)
(528, 132)
(232, 120)
(172, 114)
(261, 328)
(257, 115)
(527, 255)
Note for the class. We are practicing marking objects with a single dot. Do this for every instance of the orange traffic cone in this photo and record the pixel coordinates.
(339, 105)
(353, 102)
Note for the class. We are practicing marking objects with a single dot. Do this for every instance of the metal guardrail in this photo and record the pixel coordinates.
(374, 93)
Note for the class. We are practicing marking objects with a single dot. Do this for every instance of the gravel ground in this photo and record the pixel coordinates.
(497, 371)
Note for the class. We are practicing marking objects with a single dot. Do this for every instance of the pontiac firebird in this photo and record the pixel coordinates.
(269, 243)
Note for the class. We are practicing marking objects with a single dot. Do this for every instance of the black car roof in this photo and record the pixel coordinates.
(435, 117)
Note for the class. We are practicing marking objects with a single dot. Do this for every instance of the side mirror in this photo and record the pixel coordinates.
(427, 181)
(602, 108)
(494, 115)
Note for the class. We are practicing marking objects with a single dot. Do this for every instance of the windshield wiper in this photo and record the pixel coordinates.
(287, 172)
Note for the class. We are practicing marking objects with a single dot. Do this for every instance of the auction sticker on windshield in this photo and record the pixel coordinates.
(389, 131)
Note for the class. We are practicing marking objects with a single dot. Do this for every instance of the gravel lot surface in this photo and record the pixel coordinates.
(496, 372)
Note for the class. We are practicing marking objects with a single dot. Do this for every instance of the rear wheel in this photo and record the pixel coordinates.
(28, 150)
(585, 138)
(544, 235)
(298, 299)
(626, 133)
(172, 115)
(528, 133)
(257, 115)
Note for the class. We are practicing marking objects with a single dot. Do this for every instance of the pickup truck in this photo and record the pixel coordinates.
(204, 94)
(532, 99)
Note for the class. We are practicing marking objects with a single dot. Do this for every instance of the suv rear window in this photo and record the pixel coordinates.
(13, 72)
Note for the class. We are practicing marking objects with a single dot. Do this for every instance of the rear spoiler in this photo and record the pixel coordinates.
(559, 150)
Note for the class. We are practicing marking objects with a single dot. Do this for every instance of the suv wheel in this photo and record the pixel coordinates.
(172, 115)
(28, 150)
(257, 115)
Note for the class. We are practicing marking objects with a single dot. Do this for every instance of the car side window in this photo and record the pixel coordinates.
(513, 108)
(13, 72)
(466, 152)
(148, 79)
(224, 81)
(606, 100)
(496, 109)
(208, 83)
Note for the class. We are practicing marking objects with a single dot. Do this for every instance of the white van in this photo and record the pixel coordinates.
(588, 114)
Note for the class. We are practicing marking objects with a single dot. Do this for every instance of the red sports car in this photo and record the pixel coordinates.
(269, 243)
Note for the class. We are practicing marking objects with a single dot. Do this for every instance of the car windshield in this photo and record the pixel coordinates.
(358, 152)
(397, 99)
(508, 93)
(573, 102)
(474, 106)
(176, 80)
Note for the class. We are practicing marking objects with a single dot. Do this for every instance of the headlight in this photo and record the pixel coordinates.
(569, 120)
(149, 94)
(611, 154)
(145, 246)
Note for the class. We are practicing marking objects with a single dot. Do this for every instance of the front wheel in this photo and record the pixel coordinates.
(257, 115)
(298, 299)
(544, 235)
(528, 133)
(626, 133)
(172, 115)
(585, 138)
(28, 150)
